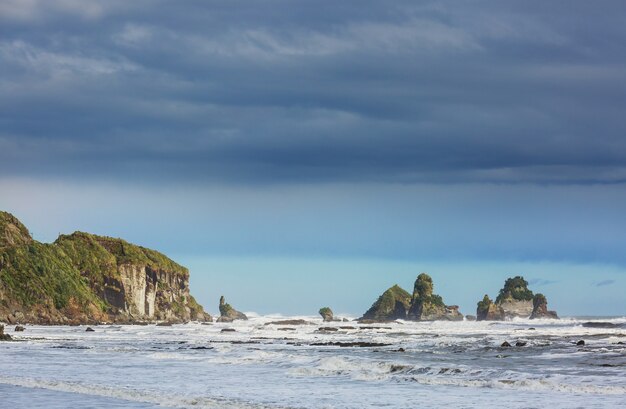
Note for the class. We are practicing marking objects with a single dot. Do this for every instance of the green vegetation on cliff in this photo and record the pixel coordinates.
(81, 276)
(392, 304)
(515, 288)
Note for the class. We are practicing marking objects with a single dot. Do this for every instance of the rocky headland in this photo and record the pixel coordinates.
(422, 305)
(515, 300)
(85, 278)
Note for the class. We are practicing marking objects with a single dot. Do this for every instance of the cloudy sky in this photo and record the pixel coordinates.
(298, 154)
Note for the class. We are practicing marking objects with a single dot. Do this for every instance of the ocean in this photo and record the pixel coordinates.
(350, 365)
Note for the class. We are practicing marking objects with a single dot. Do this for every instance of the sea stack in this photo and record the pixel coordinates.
(327, 314)
(422, 305)
(426, 306)
(82, 278)
(488, 311)
(540, 308)
(392, 305)
(228, 313)
(515, 300)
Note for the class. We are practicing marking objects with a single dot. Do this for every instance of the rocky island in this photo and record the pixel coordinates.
(422, 305)
(228, 313)
(85, 278)
(515, 299)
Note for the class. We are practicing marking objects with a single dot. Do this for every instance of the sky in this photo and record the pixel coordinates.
(300, 154)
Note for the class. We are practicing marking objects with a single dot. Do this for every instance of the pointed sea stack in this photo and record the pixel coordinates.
(426, 306)
(540, 308)
(488, 311)
(392, 305)
(228, 313)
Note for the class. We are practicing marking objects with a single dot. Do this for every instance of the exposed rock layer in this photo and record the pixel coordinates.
(84, 278)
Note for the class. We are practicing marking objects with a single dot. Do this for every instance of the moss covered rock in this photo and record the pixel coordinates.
(327, 314)
(426, 306)
(393, 304)
(83, 278)
(515, 300)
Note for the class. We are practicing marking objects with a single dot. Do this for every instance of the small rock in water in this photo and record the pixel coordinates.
(580, 343)
(520, 344)
(328, 329)
(164, 324)
(505, 344)
(228, 330)
(531, 329)
(19, 328)
(89, 329)
(3, 336)
(401, 350)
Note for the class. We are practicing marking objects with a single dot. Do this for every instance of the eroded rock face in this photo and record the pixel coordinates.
(228, 313)
(516, 308)
(83, 278)
(540, 308)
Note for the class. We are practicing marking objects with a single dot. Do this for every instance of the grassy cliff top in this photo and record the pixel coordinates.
(12, 231)
(106, 250)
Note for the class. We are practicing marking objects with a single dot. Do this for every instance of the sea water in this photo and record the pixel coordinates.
(412, 365)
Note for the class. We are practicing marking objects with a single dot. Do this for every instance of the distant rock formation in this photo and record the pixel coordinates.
(540, 308)
(423, 305)
(83, 278)
(393, 304)
(426, 306)
(327, 314)
(514, 300)
(487, 310)
(228, 313)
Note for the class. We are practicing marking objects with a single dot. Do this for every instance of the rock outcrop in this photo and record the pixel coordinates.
(515, 300)
(228, 313)
(84, 278)
(423, 305)
(3, 336)
(327, 314)
(540, 308)
(392, 305)
(487, 310)
(426, 306)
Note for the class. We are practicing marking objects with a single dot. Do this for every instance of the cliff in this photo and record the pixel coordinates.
(84, 278)
(422, 305)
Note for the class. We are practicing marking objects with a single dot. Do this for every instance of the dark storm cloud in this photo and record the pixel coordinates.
(317, 91)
